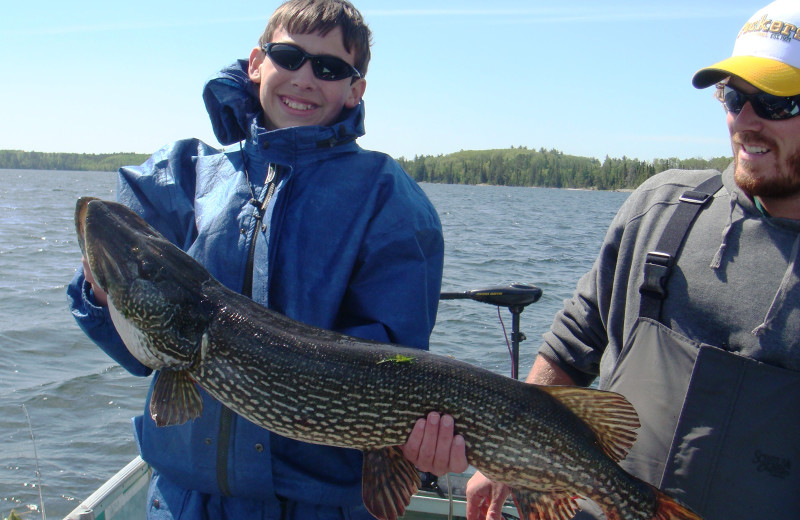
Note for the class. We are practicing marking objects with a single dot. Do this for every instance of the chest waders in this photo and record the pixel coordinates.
(720, 431)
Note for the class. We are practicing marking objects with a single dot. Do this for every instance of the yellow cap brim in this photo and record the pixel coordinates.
(768, 75)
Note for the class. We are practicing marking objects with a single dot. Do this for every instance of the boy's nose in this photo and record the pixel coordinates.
(303, 76)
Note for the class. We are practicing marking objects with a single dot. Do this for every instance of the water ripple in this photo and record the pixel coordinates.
(80, 403)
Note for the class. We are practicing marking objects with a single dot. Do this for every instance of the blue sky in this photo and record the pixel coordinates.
(586, 77)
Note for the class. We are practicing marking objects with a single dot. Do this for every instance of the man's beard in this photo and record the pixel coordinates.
(756, 184)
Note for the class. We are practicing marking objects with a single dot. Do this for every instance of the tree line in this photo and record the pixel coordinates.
(544, 168)
(104, 162)
(507, 167)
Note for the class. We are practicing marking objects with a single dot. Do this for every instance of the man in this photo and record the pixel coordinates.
(301, 219)
(698, 324)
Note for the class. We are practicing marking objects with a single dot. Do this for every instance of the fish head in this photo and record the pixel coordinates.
(155, 290)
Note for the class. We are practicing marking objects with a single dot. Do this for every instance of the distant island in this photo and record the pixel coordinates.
(545, 168)
(518, 166)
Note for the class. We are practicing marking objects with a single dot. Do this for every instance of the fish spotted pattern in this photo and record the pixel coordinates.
(551, 445)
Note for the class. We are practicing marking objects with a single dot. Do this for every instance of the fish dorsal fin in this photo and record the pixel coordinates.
(388, 483)
(612, 418)
(532, 505)
(175, 398)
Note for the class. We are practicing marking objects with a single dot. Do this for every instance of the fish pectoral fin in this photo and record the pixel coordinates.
(175, 398)
(389, 481)
(535, 505)
(612, 417)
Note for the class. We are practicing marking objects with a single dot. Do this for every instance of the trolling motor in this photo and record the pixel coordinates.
(516, 297)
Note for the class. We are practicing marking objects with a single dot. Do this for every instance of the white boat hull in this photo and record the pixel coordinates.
(124, 496)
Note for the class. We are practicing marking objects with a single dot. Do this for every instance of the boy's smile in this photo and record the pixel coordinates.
(298, 98)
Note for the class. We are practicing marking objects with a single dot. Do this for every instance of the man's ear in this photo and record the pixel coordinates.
(254, 67)
(357, 89)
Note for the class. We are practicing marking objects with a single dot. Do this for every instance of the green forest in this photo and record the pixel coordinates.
(545, 168)
(507, 167)
(104, 162)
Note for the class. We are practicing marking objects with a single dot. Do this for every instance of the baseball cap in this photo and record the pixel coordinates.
(766, 53)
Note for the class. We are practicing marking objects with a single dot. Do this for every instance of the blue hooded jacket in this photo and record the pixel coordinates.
(349, 243)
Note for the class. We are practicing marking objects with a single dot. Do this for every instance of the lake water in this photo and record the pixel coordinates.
(80, 403)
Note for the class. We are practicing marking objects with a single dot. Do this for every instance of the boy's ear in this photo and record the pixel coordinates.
(357, 89)
(254, 67)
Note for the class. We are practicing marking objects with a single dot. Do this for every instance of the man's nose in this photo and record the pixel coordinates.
(747, 119)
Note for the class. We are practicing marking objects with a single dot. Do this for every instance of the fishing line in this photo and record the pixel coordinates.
(449, 496)
(36, 458)
(508, 343)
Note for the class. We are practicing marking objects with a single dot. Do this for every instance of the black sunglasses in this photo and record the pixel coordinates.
(765, 105)
(292, 57)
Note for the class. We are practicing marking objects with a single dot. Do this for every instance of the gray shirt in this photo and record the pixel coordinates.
(735, 285)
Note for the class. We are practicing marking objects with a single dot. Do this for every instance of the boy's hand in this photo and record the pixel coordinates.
(485, 498)
(100, 297)
(433, 447)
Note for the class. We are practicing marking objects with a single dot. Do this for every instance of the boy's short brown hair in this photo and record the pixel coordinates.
(311, 16)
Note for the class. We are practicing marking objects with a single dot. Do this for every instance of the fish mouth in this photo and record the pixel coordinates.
(98, 262)
(109, 240)
(80, 220)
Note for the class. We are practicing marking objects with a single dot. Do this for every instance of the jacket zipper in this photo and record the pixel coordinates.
(261, 210)
(226, 415)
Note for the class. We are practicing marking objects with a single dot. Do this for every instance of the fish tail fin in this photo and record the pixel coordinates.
(667, 508)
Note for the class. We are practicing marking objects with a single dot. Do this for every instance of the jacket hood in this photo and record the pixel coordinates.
(231, 100)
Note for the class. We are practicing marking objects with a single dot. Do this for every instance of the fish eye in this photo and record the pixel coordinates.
(147, 269)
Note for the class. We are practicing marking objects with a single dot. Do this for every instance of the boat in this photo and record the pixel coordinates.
(124, 496)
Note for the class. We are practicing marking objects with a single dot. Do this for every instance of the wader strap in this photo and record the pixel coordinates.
(658, 263)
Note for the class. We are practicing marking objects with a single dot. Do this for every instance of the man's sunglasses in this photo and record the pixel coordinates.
(765, 105)
(292, 57)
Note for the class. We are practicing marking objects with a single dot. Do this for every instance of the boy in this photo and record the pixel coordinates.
(301, 219)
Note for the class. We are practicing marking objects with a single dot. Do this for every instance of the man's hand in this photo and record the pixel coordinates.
(433, 447)
(485, 498)
(100, 297)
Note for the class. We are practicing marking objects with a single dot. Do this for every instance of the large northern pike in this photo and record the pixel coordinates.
(551, 445)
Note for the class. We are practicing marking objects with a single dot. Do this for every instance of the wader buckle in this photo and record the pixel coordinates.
(657, 267)
(695, 197)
